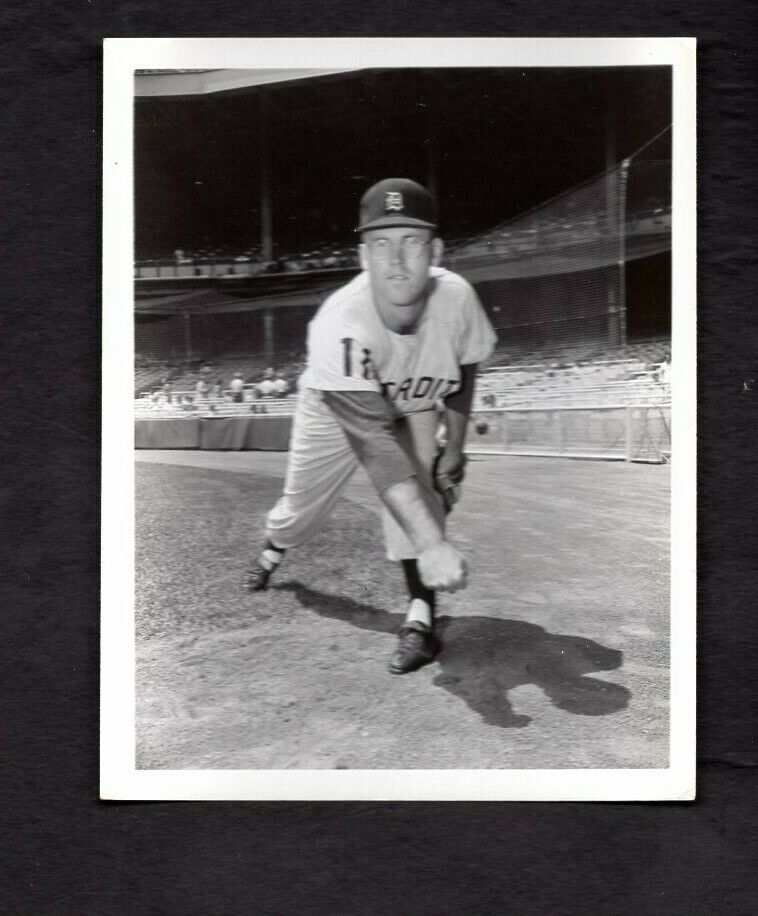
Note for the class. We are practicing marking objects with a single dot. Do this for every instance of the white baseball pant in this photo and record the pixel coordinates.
(321, 461)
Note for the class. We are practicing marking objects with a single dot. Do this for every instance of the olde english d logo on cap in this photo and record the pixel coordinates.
(393, 200)
(396, 202)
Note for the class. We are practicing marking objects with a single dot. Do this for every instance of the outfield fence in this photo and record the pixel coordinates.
(620, 432)
(615, 432)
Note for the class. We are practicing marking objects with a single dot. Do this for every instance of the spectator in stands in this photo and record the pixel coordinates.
(266, 387)
(237, 385)
(281, 385)
(201, 389)
(218, 389)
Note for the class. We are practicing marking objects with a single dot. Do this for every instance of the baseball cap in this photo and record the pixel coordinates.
(397, 202)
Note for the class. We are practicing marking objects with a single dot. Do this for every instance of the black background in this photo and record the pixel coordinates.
(66, 852)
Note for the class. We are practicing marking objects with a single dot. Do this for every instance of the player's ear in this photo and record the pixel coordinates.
(438, 247)
(363, 256)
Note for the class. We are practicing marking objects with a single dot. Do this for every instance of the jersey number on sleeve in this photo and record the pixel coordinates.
(347, 355)
(347, 358)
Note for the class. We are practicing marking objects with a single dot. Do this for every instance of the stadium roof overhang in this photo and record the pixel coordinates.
(207, 82)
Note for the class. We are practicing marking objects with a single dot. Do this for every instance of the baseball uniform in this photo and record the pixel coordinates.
(351, 350)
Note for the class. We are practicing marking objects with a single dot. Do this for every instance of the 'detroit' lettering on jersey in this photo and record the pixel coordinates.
(350, 348)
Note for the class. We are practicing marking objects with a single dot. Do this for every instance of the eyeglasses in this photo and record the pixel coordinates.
(410, 245)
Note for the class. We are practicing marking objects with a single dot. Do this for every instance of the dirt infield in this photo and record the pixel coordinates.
(556, 655)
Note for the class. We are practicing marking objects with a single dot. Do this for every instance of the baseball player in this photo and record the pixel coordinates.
(383, 351)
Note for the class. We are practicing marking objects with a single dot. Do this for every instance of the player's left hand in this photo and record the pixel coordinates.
(448, 473)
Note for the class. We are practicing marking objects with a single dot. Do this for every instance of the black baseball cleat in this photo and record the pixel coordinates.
(256, 579)
(417, 647)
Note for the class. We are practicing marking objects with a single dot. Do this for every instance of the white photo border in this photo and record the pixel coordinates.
(119, 778)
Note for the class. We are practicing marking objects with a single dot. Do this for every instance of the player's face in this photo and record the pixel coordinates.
(398, 260)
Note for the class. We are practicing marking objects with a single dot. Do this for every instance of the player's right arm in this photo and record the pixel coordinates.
(369, 425)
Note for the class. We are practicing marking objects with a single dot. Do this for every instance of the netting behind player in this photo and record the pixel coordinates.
(554, 277)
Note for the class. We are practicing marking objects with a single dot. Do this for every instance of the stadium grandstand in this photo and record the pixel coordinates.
(556, 201)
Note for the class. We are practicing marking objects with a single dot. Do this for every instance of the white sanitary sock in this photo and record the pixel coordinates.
(419, 612)
(270, 559)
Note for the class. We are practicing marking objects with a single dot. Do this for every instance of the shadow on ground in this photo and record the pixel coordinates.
(483, 658)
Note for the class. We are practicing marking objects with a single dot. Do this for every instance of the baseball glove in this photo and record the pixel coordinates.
(448, 478)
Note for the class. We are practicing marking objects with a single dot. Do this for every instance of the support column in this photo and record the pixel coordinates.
(612, 323)
(612, 204)
(187, 337)
(264, 160)
(623, 178)
(432, 144)
(268, 333)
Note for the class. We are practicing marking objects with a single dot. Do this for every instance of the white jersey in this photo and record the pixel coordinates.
(351, 349)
